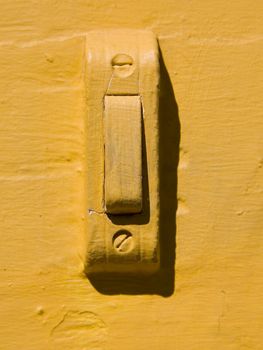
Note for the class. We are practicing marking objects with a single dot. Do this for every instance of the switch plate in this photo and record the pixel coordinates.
(122, 63)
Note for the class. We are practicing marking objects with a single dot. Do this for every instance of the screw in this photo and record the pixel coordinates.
(122, 65)
(123, 241)
(122, 60)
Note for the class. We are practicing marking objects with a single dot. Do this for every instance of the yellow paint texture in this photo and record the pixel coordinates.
(210, 293)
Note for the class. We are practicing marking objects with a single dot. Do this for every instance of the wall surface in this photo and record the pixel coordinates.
(212, 70)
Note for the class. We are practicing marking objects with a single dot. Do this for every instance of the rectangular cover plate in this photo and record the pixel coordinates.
(122, 63)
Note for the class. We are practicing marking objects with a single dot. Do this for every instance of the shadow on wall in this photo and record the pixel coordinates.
(162, 282)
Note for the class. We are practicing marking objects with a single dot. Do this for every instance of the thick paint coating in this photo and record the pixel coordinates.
(212, 51)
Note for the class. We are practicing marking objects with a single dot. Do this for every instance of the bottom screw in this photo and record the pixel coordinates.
(123, 241)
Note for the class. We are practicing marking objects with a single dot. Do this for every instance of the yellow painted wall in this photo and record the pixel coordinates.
(212, 51)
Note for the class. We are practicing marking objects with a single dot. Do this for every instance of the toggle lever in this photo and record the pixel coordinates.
(123, 154)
